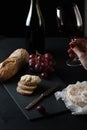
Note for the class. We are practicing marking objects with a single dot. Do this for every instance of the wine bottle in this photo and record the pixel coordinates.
(35, 28)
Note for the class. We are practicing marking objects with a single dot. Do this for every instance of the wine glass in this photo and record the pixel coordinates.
(70, 24)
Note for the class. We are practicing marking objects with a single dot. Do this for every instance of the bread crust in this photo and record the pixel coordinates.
(25, 87)
(10, 66)
(20, 54)
(23, 92)
(27, 84)
(30, 80)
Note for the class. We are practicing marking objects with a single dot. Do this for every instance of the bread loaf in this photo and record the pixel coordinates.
(10, 66)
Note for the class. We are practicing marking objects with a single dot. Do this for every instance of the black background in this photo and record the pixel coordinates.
(13, 14)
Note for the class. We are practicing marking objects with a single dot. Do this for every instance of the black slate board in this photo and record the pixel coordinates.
(50, 103)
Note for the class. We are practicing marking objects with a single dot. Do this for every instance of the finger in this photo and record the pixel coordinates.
(71, 55)
(73, 43)
(77, 51)
(71, 52)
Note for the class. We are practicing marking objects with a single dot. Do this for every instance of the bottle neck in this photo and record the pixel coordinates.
(34, 14)
(34, 2)
(32, 11)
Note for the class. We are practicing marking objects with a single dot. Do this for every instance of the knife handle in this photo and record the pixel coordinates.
(35, 101)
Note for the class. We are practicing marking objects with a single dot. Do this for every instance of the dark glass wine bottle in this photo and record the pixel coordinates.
(35, 29)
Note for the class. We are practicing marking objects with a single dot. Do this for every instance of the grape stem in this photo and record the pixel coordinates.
(37, 53)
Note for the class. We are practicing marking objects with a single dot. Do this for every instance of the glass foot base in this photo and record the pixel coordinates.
(73, 62)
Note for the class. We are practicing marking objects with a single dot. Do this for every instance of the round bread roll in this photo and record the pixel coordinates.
(75, 97)
(78, 94)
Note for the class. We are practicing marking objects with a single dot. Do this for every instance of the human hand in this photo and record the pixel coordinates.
(79, 47)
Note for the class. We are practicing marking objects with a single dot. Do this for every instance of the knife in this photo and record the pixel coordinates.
(42, 95)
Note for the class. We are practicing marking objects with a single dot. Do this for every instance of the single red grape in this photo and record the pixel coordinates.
(43, 75)
(37, 67)
(32, 62)
(41, 109)
(40, 58)
(48, 56)
(32, 56)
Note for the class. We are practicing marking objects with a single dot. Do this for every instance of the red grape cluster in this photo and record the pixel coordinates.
(42, 64)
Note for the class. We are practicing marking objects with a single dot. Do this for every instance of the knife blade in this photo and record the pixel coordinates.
(39, 98)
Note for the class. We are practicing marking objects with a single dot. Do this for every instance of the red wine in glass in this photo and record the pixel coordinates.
(70, 24)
